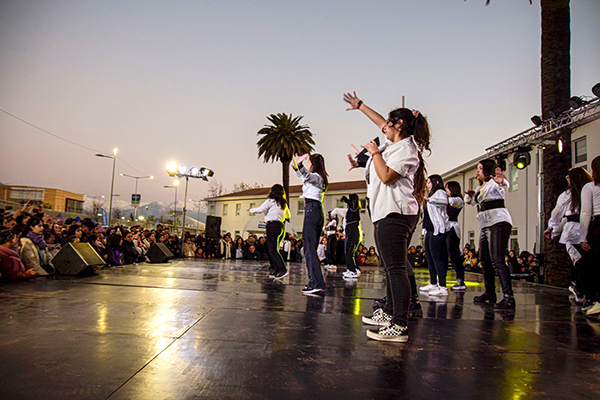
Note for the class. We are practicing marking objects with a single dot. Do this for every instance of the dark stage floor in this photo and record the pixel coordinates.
(222, 330)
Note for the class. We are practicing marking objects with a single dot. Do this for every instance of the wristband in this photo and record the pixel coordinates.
(376, 153)
(360, 103)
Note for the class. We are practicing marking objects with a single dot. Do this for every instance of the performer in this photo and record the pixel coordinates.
(276, 213)
(437, 225)
(495, 224)
(590, 236)
(351, 217)
(564, 224)
(455, 205)
(315, 184)
(395, 175)
(331, 232)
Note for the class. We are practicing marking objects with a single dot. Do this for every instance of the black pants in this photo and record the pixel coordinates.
(311, 231)
(391, 237)
(275, 233)
(351, 245)
(331, 249)
(590, 271)
(493, 242)
(437, 257)
(453, 245)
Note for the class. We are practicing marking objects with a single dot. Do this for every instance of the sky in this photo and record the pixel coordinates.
(193, 82)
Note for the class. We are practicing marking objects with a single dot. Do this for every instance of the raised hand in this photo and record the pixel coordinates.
(371, 147)
(353, 160)
(351, 99)
(302, 158)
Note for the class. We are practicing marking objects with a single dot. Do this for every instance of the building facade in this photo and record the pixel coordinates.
(232, 208)
(52, 199)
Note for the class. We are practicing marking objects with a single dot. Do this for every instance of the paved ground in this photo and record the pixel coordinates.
(223, 330)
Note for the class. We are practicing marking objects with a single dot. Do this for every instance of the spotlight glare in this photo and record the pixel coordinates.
(182, 169)
(172, 168)
(559, 143)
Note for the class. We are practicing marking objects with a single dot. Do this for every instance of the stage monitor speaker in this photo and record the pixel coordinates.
(77, 258)
(159, 253)
(213, 226)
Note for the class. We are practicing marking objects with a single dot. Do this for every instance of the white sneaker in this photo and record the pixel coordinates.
(594, 310)
(350, 275)
(439, 291)
(427, 288)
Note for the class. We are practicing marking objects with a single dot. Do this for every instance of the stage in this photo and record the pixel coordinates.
(223, 330)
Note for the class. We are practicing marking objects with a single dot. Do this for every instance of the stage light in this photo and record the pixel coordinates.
(576, 102)
(182, 170)
(172, 168)
(521, 159)
(194, 171)
(596, 90)
(537, 120)
(554, 112)
(559, 143)
(115, 151)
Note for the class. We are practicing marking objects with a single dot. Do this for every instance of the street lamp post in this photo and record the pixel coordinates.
(112, 182)
(175, 184)
(137, 178)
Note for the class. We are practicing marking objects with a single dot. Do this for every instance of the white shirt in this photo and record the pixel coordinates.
(341, 213)
(321, 252)
(456, 202)
(312, 188)
(491, 190)
(436, 208)
(272, 211)
(567, 230)
(396, 197)
(590, 206)
(331, 227)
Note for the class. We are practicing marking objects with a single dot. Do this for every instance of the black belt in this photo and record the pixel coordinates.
(573, 218)
(453, 220)
(490, 205)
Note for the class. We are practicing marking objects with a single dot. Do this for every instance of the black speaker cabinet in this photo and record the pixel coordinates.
(159, 253)
(213, 226)
(75, 258)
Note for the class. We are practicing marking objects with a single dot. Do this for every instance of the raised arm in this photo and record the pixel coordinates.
(357, 104)
(262, 209)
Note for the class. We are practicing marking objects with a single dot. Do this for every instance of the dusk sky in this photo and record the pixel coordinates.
(193, 81)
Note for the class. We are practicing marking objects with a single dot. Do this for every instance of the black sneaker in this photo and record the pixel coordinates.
(415, 308)
(379, 303)
(390, 333)
(485, 298)
(507, 303)
(281, 274)
(308, 290)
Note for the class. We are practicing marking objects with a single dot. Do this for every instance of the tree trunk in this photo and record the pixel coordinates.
(556, 90)
(285, 169)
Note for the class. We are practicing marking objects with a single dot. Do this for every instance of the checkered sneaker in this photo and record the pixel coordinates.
(379, 318)
(390, 333)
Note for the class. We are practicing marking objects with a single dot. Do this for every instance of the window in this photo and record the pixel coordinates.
(300, 206)
(212, 209)
(238, 209)
(73, 206)
(225, 209)
(26, 194)
(514, 240)
(472, 183)
(580, 150)
(363, 205)
(472, 239)
(236, 234)
(252, 205)
(513, 177)
(340, 204)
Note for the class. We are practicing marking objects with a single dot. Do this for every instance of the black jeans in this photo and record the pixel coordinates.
(391, 238)
(590, 271)
(493, 242)
(437, 257)
(311, 231)
(331, 249)
(453, 245)
(275, 232)
(351, 246)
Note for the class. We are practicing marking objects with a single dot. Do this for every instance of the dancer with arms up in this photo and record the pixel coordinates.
(315, 182)
(395, 175)
(276, 213)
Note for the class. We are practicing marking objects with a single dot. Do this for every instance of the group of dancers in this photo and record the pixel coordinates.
(397, 192)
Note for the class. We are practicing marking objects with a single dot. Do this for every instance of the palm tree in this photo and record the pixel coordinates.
(281, 140)
(556, 91)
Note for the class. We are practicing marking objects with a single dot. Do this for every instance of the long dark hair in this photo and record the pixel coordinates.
(489, 169)
(419, 129)
(436, 182)
(578, 177)
(318, 167)
(454, 188)
(354, 202)
(278, 194)
(596, 170)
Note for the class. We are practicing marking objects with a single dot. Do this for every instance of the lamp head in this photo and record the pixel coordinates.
(172, 168)
(115, 151)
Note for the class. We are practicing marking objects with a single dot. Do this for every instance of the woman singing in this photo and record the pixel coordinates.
(314, 187)
(395, 174)
(276, 213)
(495, 224)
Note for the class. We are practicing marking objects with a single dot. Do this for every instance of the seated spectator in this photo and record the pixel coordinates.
(412, 252)
(131, 253)
(189, 248)
(420, 260)
(238, 248)
(115, 257)
(33, 248)
(11, 266)
(362, 257)
(322, 250)
(251, 254)
(261, 248)
(372, 258)
(471, 261)
(53, 247)
(96, 243)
